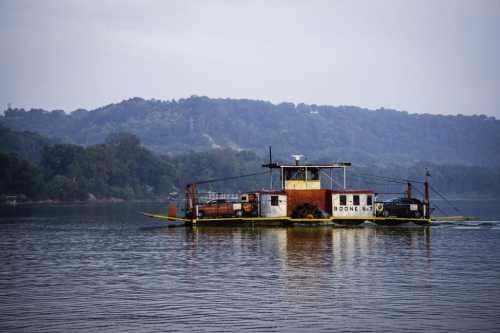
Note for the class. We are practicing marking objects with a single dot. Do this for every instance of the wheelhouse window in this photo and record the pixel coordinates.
(274, 200)
(343, 200)
(312, 174)
(300, 173)
(355, 200)
(295, 173)
(369, 201)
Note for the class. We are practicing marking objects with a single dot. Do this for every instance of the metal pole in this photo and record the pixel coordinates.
(344, 180)
(270, 166)
(305, 171)
(427, 212)
(282, 171)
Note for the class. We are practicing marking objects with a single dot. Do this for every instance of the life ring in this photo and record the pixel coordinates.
(379, 207)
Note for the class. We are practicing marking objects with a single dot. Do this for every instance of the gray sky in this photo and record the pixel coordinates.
(419, 56)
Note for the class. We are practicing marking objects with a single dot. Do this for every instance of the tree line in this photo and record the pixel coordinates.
(381, 137)
(118, 168)
(122, 168)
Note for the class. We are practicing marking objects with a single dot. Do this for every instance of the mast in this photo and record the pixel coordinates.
(427, 212)
(344, 179)
(270, 163)
(191, 203)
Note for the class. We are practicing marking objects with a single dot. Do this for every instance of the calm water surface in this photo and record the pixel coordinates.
(105, 268)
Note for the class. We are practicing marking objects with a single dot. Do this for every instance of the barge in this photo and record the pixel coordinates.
(300, 199)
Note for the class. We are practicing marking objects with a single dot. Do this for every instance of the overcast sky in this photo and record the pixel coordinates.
(418, 56)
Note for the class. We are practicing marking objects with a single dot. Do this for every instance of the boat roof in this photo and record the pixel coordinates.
(319, 166)
(266, 192)
(351, 191)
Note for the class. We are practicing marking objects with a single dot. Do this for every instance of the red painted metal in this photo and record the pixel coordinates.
(172, 211)
(408, 190)
(320, 198)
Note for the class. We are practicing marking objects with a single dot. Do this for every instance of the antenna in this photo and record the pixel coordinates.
(271, 164)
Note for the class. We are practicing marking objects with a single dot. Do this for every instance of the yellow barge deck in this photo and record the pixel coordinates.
(285, 220)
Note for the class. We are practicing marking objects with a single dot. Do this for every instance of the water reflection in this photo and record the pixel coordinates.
(107, 268)
(311, 259)
(341, 255)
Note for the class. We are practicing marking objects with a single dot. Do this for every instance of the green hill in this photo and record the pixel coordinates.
(375, 137)
(27, 145)
(122, 168)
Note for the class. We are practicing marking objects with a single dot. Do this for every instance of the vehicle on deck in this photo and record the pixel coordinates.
(223, 208)
(401, 207)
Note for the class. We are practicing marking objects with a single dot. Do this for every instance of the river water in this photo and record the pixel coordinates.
(100, 268)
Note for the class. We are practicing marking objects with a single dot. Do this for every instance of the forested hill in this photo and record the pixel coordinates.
(27, 145)
(380, 137)
(122, 168)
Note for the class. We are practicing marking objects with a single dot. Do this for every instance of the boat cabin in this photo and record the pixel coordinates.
(352, 203)
(272, 204)
(306, 177)
(300, 178)
(300, 196)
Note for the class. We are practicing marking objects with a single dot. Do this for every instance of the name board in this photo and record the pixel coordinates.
(352, 208)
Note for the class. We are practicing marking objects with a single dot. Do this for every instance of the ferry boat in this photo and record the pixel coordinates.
(300, 198)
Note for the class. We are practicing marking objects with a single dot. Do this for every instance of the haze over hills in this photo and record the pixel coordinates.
(37, 168)
(375, 137)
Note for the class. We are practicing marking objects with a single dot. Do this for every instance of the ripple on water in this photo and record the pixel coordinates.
(116, 271)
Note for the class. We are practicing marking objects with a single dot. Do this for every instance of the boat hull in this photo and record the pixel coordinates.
(284, 221)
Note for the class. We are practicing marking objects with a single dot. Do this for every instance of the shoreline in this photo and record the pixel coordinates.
(170, 199)
(85, 202)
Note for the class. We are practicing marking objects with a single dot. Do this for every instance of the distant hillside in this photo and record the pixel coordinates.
(378, 137)
(27, 145)
(119, 168)
(122, 168)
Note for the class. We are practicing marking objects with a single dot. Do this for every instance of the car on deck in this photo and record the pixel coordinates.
(400, 207)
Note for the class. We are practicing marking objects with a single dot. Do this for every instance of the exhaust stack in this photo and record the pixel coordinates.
(297, 158)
